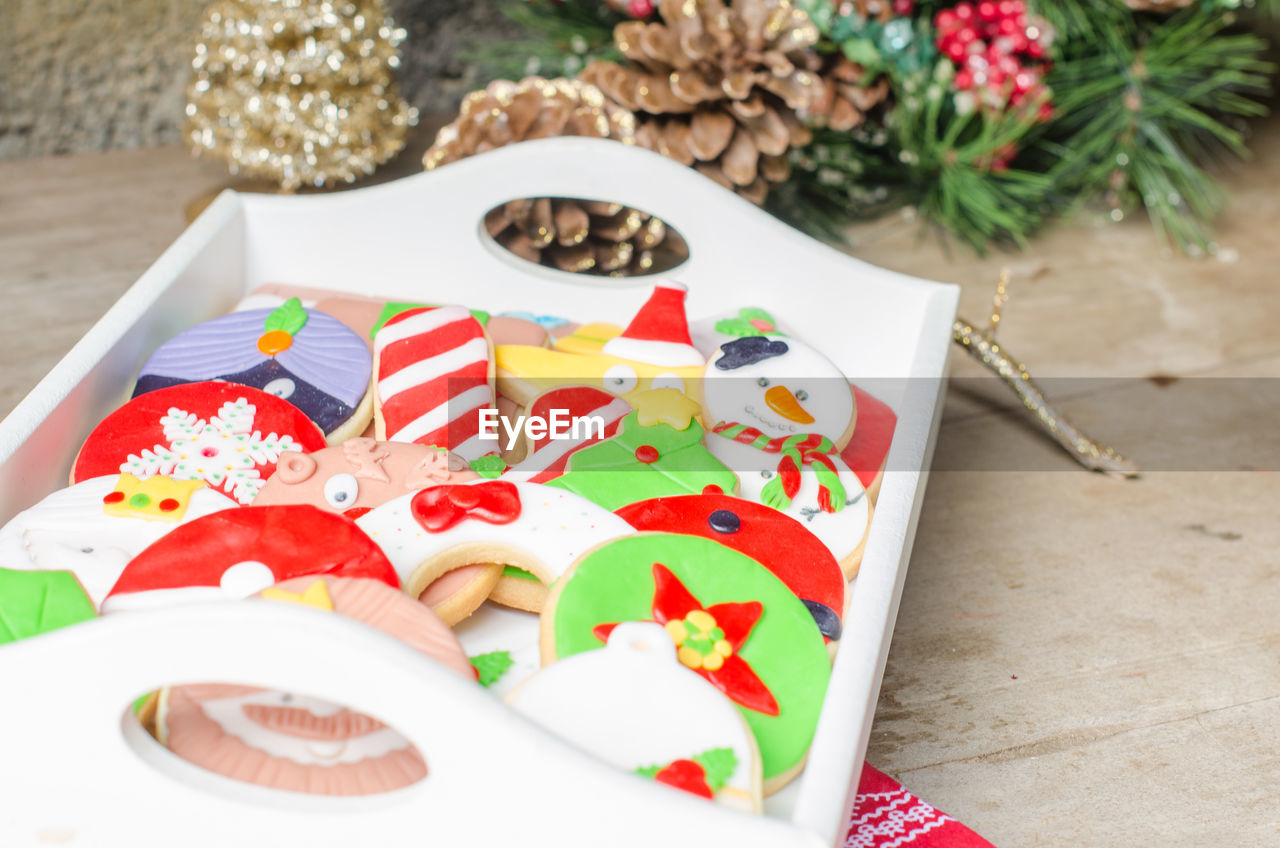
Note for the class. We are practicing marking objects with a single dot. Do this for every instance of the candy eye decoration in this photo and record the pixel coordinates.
(281, 387)
(801, 395)
(668, 381)
(341, 491)
(620, 379)
(762, 382)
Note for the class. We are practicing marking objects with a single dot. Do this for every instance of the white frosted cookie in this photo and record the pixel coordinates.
(635, 706)
(92, 532)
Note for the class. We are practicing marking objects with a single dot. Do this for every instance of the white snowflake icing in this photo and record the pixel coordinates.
(224, 451)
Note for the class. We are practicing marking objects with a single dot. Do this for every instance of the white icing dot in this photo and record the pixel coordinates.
(281, 387)
(245, 578)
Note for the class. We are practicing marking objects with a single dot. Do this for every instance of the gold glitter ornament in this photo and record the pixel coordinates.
(981, 344)
(299, 92)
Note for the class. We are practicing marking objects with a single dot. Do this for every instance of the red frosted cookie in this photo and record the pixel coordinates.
(869, 448)
(772, 538)
(300, 743)
(237, 552)
(228, 435)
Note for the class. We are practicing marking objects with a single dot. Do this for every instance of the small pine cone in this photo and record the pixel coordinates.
(571, 235)
(718, 86)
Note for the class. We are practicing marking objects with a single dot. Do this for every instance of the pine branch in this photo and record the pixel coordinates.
(564, 36)
(1138, 120)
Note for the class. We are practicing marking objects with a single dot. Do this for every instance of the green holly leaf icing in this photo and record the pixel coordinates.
(394, 308)
(35, 602)
(719, 764)
(288, 316)
(518, 573)
(491, 666)
(648, 771)
(489, 467)
(609, 474)
(741, 326)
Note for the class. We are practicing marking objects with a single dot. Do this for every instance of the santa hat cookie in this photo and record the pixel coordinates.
(659, 332)
(234, 553)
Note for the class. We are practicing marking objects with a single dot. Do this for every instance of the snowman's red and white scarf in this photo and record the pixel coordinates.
(802, 450)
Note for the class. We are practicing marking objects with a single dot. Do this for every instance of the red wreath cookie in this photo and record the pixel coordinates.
(228, 435)
(237, 552)
(772, 538)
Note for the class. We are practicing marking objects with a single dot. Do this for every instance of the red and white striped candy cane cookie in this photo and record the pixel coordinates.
(435, 375)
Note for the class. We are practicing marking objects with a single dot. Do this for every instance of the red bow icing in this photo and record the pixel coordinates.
(440, 507)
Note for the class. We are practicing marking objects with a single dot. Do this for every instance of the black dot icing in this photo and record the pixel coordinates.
(724, 521)
(825, 617)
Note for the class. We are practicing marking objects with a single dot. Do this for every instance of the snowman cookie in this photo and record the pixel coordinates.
(634, 705)
(234, 553)
(731, 620)
(227, 435)
(296, 742)
(360, 474)
(782, 412)
(304, 356)
(93, 529)
(771, 538)
(532, 533)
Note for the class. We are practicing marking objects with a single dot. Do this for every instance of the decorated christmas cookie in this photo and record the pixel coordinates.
(360, 474)
(782, 412)
(299, 743)
(653, 352)
(308, 358)
(545, 457)
(35, 602)
(639, 463)
(587, 338)
(636, 706)
(535, 530)
(434, 376)
(93, 529)
(733, 622)
(773, 539)
(504, 329)
(237, 552)
(230, 436)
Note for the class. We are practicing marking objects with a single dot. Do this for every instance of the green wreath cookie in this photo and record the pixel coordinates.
(732, 620)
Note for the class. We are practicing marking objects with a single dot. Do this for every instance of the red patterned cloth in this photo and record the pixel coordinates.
(887, 816)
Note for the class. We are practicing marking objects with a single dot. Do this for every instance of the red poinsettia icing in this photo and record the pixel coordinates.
(687, 775)
(440, 507)
(708, 640)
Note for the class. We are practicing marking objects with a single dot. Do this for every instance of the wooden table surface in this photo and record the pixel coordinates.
(1077, 660)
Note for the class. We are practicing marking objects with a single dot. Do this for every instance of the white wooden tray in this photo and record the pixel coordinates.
(78, 769)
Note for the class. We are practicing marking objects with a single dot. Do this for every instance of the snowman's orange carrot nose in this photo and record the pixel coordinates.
(784, 403)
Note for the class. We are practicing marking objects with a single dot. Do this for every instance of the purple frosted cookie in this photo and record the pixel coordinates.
(305, 356)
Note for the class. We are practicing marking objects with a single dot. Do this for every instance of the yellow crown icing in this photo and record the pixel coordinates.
(156, 498)
(316, 595)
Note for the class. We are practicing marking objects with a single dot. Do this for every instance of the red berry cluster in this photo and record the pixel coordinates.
(1000, 51)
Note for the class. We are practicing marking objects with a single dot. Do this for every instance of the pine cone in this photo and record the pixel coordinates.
(718, 87)
(572, 235)
(845, 100)
(880, 10)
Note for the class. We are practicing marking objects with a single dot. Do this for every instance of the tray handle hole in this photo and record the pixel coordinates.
(584, 237)
(275, 739)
